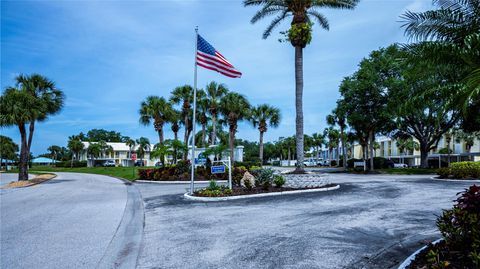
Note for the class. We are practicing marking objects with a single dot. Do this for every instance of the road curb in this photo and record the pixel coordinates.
(455, 180)
(410, 258)
(124, 248)
(228, 198)
(177, 181)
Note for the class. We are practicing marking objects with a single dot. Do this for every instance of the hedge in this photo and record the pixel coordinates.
(69, 164)
(460, 170)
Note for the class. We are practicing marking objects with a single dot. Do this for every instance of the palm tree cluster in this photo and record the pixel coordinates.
(217, 106)
(33, 99)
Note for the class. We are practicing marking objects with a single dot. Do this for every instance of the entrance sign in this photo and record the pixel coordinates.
(218, 169)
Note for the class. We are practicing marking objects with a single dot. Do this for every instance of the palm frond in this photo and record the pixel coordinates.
(320, 18)
(275, 23)
(266, 11)
(338, 4)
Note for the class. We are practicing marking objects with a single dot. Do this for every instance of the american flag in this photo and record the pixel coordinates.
(208, 57)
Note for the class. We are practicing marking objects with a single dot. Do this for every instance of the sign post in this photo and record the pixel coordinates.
(220, 169)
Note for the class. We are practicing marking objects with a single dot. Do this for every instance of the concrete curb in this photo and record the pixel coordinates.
(33, 184)
(455, 180)
(410, 258)
(124, 248)
(177, 182)
(228, 198)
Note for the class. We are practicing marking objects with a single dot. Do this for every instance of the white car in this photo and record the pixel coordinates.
(400, 165)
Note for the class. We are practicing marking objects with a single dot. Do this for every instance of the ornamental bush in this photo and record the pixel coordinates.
(279, 181)
(461, 170)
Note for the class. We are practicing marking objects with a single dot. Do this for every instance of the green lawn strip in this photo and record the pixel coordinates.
(121, 172)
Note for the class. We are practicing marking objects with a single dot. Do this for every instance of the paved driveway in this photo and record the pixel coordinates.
(370, 222)
(72, 221)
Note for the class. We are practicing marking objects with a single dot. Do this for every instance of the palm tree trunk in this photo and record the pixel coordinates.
(203, 134)
(23, 164)
(261, 148)
(231, 144)
(344, 149)
(299, 106)
(185, 137)
(214, 129)
(30, 135)
(338, 156)
(160, 135)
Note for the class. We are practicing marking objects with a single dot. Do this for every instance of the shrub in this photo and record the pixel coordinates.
(69, 164)
(351, 161)
(333, 163)
(444, 172)
(212, 185)
(465, 169)
(263, 176)
(460, 227)
(279, 181)
(214, 190)
(182, 167)
(247, 164)
(237, 174)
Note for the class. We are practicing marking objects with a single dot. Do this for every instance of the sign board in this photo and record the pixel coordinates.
(134, 156)
(218, 169)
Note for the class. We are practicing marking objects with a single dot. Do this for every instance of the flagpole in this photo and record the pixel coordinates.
(192, 186)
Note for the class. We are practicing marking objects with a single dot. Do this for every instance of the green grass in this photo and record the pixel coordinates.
(408, 171)
(122, 172)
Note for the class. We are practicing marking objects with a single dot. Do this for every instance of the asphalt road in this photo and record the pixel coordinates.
(372, 221)
(72, 221)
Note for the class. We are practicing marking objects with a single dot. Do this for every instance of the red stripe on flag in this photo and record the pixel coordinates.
(216, 69)
(215, 58)
(223, 67)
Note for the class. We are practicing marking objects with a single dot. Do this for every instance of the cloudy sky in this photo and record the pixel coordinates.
(107, 56)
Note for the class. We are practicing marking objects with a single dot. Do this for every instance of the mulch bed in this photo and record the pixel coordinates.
(26, 183)
(455, 262)
(236, 190)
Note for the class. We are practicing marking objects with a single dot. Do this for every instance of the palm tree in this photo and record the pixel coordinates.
(339, 117)
(234, 107)
(184, 95)
(468, 139)
(202, 110)
(174, 120)
(75, 146)
(318, 140)
(333, 136)
(34, 98)
(263, 116)
(143, 146)
(178, 148)
(454, 29)
(155, 109)
(131, 143)
(160, 151)
(215, 92)
(8, 149)
(94, 150)
(54, 151)
(299, 35)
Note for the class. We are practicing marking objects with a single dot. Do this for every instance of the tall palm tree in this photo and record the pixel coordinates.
(131, 143)
(75, 146)
(202, 111)
(333, 136)
(184, 95)
(215, 92)
(143, 146)
(234, 107)
(54, 151)
(174, 120)
(155, 109)
(299, 35)
(318, 140)
(94, 150)
(263, 116)
(34, 98)
(339, 117)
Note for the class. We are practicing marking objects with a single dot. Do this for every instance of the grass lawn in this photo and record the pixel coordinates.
(408, 171)
(122, 172)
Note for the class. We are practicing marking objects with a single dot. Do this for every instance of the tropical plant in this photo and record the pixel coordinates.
(339, 117)
(94, 150)
(263, 116)
(184, 95)
(75, 146)
(34, 98)
(8, 149)
(177, 148)
(202, 111)
(157, 110)
(406, 143)
(215, 92)
(54, 151)
(131, 143)
(234, 107)
(450, 36)
(143, 146)
(160, 151)
(303, 12)
(318, 140)
(333, 136)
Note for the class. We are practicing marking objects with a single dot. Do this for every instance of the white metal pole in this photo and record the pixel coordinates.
(229, 173)
(192, 186)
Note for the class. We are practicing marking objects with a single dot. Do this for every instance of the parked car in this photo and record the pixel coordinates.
(158, 164)
(139, 163)
(400, 165)
(109, 163)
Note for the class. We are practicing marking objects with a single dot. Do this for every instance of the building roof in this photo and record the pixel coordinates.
(117, 146)
(43, 160)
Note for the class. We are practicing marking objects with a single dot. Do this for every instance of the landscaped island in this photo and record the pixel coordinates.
(461, 170)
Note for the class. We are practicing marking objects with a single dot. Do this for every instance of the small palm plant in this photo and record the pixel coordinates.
(234, 108)
(143, 146)
(263, 116)
(303, 12)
